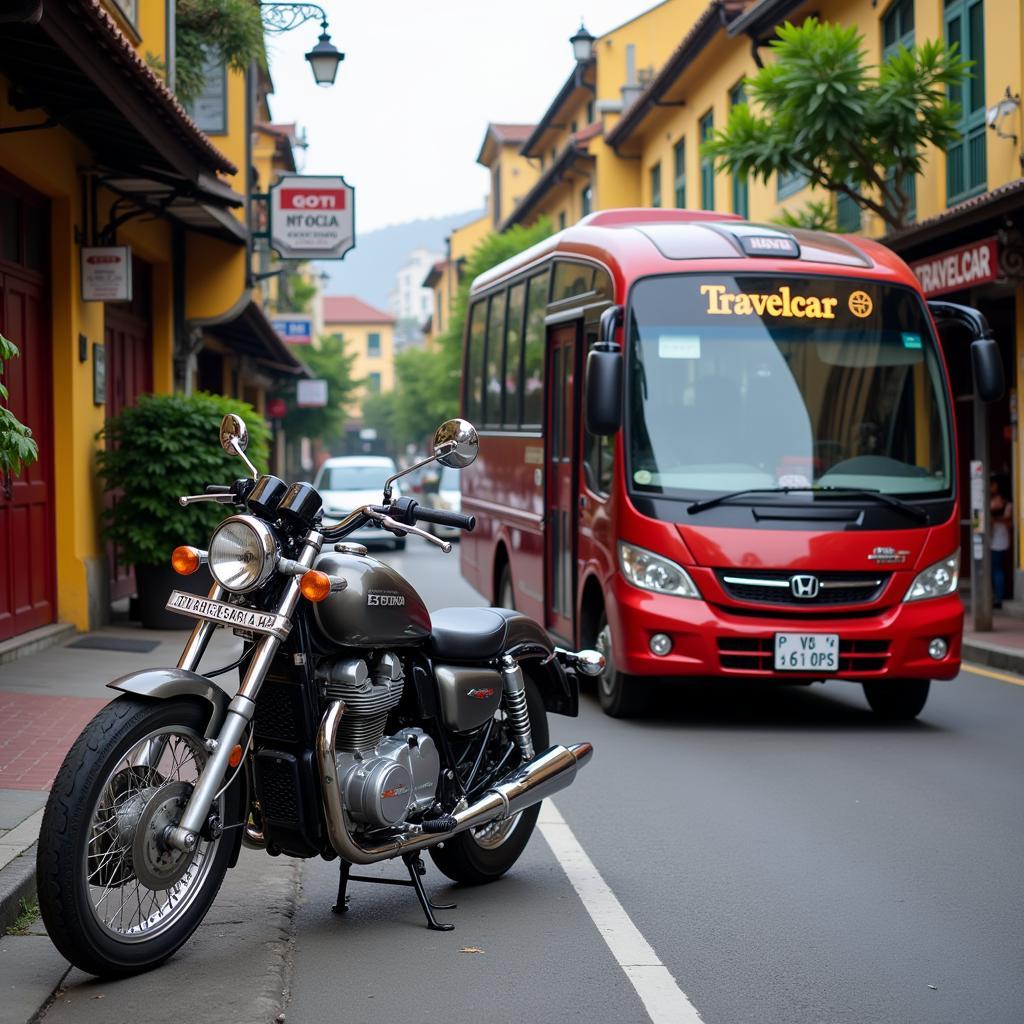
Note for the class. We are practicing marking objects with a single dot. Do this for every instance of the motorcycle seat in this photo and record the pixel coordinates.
(469, 634)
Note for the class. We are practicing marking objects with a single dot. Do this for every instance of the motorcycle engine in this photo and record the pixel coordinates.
(383, 779)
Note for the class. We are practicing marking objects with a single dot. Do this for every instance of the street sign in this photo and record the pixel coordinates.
(277, 408)
(312, 217)
(107, 273)
(294, 327)
(311, 394)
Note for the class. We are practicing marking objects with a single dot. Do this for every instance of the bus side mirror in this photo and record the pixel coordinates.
(987, 363)
(604, 378)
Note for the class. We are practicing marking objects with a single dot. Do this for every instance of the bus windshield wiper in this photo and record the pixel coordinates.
(886, 499)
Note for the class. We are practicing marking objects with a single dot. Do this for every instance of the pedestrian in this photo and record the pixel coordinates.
(1001, 512)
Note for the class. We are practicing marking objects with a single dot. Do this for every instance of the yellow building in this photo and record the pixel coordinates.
(512, 173)
(95, 150)
(369, 335)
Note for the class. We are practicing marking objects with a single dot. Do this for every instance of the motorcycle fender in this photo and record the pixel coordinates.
(528, 642)
(165, 683)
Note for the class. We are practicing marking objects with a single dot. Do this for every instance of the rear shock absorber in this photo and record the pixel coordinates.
(515, 703)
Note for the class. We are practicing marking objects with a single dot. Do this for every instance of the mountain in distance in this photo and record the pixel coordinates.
(369, 270)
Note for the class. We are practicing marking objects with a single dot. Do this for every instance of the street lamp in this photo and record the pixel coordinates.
(582, 45)
(325, 57)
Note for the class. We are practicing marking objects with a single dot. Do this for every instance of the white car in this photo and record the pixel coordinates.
(442, 489)
(349, 481)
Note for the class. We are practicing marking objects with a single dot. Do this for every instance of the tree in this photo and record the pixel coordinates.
(17, 447)
(848, 127)
(329, 362)
(230, 30)
(427, 381)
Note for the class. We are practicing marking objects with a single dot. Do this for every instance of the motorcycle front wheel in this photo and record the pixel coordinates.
(484, 854)
(115, 898)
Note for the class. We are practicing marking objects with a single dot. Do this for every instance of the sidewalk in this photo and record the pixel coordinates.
(46, 699)
(1002, 648)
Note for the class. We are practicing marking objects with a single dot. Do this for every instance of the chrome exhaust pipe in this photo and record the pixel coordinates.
(541, 777)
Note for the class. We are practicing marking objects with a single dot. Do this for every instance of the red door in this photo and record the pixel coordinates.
(27, 556)
(561, 497)
(129, 366)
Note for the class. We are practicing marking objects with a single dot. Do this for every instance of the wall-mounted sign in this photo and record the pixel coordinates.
(311, 394)
(312, 218)
(955, 269)
(294, 327)
(277, 409)
(107, 273)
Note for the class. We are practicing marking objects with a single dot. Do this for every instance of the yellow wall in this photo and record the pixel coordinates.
(517, 178)
(356, 337)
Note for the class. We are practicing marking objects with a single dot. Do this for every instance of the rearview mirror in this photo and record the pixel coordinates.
(604, 378)
(987, 363)
(234, 434)
(456, 444)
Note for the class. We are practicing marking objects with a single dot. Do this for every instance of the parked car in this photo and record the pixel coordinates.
(441, 489)
(348, 481)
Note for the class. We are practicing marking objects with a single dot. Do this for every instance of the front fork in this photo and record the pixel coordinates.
(185, 835)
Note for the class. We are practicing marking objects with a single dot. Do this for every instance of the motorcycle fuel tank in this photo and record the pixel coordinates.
(378, 608)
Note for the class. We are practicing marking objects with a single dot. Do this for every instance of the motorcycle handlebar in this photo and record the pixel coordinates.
(425, 514)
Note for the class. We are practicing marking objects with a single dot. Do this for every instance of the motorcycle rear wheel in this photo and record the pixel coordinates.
(115, 900)
(484, 854)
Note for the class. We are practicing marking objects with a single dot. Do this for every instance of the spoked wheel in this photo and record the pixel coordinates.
(115, 897)
(483, 854)
(621, 696)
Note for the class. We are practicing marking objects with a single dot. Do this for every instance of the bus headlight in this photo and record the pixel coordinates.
(937, 580)
(649, 571)
(243, 554)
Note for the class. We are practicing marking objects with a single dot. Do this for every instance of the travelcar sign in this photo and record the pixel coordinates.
(956, 269)
(312, 217)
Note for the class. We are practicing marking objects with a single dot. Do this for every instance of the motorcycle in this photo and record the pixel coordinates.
(363, 728)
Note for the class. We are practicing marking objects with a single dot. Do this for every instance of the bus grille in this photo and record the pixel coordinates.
(756, 654)
(830, 588)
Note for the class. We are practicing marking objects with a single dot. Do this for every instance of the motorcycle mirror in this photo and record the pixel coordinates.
(456, 444)
(234, 439)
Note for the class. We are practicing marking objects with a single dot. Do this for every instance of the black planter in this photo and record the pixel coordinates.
(155, 583)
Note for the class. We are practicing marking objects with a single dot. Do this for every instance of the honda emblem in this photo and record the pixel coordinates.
(804, 587)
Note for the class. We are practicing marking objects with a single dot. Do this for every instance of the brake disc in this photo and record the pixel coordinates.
(158, 865)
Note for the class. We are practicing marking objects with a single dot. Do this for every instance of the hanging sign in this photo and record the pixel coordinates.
(294, 327)
(277, 409)
(311, 394)
(955, 269)
(107, 273)
(312, 217)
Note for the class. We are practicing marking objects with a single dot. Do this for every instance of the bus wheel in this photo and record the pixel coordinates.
(897, 700)
(506, 595)
(621, 696)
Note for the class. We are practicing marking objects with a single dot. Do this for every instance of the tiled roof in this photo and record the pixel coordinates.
(347, 309)
(165, 104)
(511, 132)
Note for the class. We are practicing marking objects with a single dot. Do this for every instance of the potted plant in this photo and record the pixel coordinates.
(162, 447)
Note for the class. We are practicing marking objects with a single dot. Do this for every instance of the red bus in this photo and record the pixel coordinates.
(715, 449)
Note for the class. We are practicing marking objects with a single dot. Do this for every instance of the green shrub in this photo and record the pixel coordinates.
(161, 448)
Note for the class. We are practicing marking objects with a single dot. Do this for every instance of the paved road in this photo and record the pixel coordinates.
(789, 860)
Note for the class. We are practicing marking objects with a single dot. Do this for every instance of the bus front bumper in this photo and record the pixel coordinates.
(710, 641)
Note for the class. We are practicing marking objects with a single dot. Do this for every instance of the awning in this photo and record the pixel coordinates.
(252, 334)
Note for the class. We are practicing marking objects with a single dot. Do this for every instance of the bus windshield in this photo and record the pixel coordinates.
(748, 381)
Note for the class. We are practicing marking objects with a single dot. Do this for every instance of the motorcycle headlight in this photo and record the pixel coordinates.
(649, 571)
(243, 554)
(937, 580)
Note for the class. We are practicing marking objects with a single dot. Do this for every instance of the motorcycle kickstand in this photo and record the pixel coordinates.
(341, 906)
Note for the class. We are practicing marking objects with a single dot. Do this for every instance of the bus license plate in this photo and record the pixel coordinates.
(806, 652)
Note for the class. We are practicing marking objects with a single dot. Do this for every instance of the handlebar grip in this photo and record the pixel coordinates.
(442, 517)
(218, 489)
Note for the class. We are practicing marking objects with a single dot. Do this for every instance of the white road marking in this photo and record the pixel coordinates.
(664, 1000)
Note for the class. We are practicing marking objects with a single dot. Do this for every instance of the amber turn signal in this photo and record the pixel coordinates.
(235, 757)
(315, 585)
(185, 560)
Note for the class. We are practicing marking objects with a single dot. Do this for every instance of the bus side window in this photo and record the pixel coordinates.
(533, 352)
(495, 361)
(475, 360)
(571, 279)
(513, 353)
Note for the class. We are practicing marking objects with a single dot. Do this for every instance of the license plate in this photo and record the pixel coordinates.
(806, 652)
(228, 614)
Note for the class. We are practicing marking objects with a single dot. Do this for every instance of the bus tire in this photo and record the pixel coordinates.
(620, 695)
(506, 596)
(897, 700)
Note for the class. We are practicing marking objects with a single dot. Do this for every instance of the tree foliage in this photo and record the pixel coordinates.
(821, 110)
(427, 381)
(232, 29)
(17, 446)
(160, 448)
(329, 362)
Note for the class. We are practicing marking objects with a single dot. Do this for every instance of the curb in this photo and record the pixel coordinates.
(17, 882)
(993, 656)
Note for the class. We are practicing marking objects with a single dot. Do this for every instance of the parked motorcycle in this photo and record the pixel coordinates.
(364, 728)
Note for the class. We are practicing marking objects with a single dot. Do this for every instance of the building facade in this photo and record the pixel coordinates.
(411, 302)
